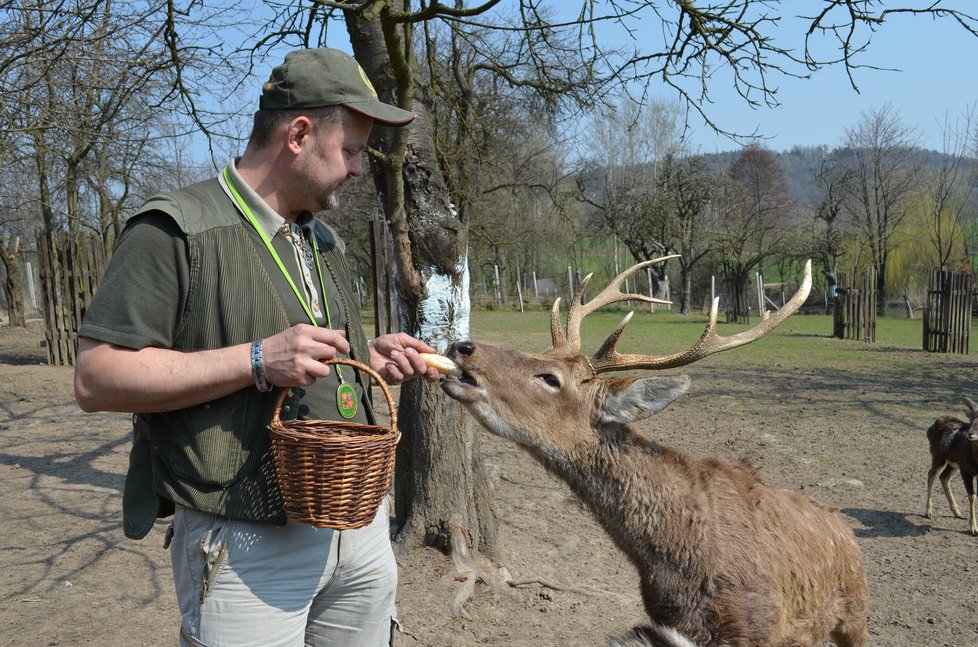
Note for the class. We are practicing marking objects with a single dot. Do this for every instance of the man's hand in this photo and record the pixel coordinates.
(396, 358)
(295, 356)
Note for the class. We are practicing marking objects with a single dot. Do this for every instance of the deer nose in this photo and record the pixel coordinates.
(461, 349)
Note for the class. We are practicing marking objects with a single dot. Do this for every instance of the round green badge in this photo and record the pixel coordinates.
(346, 400)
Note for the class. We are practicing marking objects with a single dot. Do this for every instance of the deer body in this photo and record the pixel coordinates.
(954, 446)
(723, 558)
(718, 557)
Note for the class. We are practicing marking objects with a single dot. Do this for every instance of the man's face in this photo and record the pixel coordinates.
(334, 155)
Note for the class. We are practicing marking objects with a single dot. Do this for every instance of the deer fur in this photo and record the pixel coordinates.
(723, 557)
(953, 447)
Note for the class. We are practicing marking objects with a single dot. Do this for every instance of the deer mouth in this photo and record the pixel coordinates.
(463, 388)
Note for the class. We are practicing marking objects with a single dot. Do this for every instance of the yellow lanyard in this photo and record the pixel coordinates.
(250, 217)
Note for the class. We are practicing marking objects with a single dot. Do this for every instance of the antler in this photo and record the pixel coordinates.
(607, 359)
(972, 409)
(611, 294)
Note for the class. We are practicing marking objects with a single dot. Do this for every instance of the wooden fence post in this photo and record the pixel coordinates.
(70, 270)
(855, 308)
(947, 315)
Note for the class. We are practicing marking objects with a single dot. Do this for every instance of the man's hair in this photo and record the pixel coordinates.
(266, 122)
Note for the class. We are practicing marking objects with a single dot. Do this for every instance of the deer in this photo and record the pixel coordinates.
(723, 557)
(953, 447)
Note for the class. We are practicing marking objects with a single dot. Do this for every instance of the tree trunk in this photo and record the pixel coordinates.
(13, 287)
(881, 288)
(438, 475)
(686, 297)
(501, 283)
(738, 306)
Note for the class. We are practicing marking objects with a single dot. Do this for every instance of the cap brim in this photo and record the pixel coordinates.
(382, 112)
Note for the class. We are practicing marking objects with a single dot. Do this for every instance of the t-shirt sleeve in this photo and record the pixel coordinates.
(139, 299)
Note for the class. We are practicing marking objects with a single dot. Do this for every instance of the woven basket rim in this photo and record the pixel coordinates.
(334, 473)
(288, 432)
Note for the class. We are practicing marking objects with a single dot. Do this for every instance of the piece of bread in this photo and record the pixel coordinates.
(440, 363)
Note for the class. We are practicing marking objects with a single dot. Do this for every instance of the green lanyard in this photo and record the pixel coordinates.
(346, 405)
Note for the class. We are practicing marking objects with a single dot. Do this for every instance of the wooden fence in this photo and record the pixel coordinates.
(70, 270)
(855, 308)
(947, 316)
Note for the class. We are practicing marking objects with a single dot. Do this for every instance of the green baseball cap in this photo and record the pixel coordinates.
(322, 77)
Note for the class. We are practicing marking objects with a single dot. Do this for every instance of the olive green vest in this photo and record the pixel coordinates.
(216, 456)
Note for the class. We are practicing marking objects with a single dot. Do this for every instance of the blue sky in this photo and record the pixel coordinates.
(936, 79)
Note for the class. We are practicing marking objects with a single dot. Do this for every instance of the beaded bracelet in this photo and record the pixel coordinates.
(258, 367)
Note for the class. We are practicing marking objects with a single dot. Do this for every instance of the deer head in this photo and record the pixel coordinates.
(548, 402)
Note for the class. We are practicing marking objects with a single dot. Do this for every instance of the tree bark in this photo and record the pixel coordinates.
(438, 473)
(13, 287)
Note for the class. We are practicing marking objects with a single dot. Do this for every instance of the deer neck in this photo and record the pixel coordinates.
(640, 491)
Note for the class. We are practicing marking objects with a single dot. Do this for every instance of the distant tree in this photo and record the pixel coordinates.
(688, 189)
(86, 92)
(948, 193)
(831, 179)
(627, 185)
(882, 183)
(911, 260)
(755, 209)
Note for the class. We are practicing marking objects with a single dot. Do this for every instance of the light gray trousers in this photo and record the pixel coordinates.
(240, 584)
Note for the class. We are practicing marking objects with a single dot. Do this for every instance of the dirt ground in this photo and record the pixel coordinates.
(69, 577)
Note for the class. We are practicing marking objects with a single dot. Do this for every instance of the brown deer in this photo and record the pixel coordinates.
(723, 557)
(953, 447)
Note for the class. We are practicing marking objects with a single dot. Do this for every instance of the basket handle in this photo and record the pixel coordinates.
(360, 367)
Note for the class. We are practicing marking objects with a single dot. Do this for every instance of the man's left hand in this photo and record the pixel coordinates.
(396, 358)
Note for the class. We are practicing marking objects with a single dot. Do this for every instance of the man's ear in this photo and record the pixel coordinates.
(631, 399)
(298, 133)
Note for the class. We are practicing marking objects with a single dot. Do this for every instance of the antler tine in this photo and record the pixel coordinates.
(556, 332)
(610, 294)
(607, 359)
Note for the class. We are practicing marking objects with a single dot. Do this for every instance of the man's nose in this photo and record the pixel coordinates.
(356, 166)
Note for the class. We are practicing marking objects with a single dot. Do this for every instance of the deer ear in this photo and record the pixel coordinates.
(633, 399)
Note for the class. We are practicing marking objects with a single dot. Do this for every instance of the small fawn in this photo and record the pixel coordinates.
(953, 447)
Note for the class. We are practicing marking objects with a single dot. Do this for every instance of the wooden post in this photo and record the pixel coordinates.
(648, 273)
(759, 286)
(519, 288)
(499, 287)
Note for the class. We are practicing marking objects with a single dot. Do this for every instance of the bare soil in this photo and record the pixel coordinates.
(853, 439)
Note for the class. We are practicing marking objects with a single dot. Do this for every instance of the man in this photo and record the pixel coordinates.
(215, 294)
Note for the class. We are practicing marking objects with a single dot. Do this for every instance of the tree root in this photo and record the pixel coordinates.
(469, 573)
(517, 584)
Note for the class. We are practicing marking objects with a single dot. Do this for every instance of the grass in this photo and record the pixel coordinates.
(894, 377)
(666, 332)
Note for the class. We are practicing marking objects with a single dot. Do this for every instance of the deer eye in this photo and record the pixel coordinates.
(550, 379)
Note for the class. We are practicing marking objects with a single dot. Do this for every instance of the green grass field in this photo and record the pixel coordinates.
(802, 336)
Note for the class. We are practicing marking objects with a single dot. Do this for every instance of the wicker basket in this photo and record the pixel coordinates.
(334, 474)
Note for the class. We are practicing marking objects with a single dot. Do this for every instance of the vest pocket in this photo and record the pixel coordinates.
(206, 446)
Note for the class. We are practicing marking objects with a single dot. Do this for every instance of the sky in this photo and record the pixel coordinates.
(936, 81)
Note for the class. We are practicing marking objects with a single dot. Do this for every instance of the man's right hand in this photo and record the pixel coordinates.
(295, 356)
